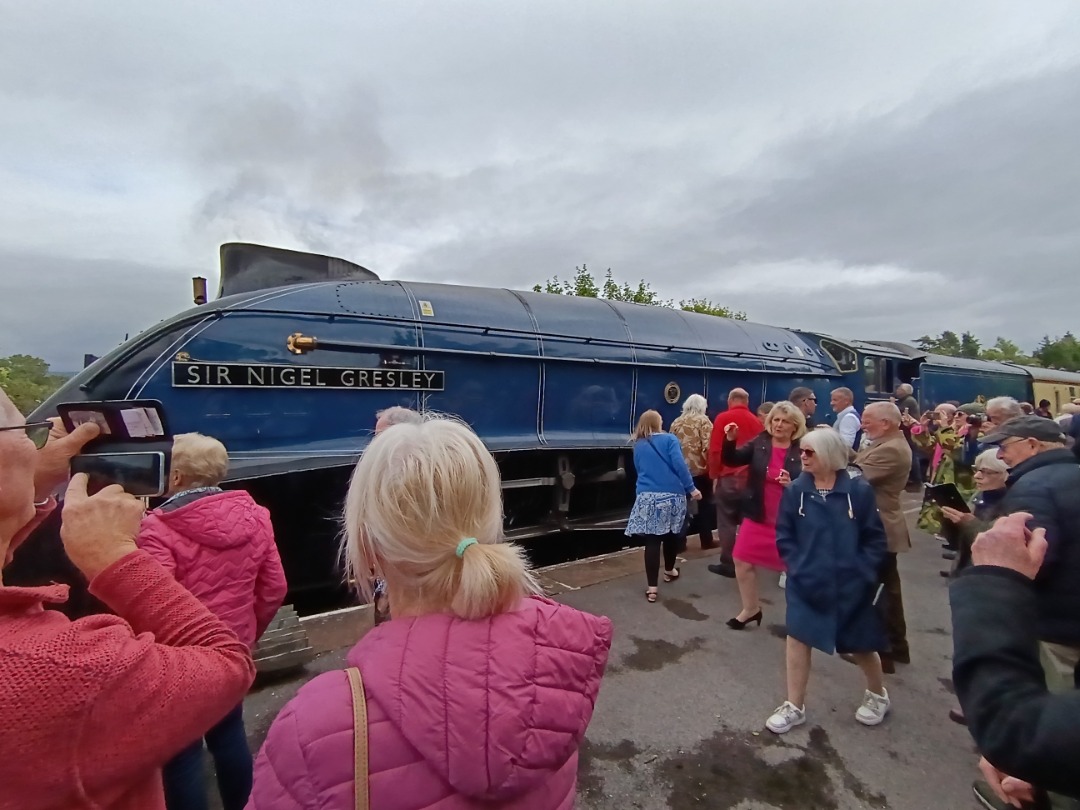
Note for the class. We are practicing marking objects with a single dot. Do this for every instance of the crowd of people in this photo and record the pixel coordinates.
(114, 710)
(822, 505)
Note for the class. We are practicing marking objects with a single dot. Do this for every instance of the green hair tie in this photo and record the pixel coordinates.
(464, 544)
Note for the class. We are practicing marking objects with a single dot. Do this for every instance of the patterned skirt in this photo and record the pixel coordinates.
(657, 513)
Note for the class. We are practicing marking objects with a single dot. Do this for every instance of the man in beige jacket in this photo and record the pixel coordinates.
(885, 464)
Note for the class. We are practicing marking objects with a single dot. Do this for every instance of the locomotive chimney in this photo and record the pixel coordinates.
(198, 287)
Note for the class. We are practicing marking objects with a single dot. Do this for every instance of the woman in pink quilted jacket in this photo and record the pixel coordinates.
(478, 690)
(220, 546)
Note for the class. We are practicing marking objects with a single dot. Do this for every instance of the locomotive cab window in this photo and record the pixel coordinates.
(873, 374)
(845, 359)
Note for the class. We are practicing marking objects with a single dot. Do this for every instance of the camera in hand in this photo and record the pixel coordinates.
(975, 419)
(133, 448)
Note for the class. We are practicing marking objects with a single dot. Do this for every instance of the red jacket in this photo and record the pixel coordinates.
(92, 709)
(221, 548)
(749, 427)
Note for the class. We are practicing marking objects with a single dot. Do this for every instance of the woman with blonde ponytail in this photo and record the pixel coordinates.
(479, 690)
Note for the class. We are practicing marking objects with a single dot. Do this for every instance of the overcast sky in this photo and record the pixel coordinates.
(874, 170)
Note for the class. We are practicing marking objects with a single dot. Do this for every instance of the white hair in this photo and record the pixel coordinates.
(416, 494)
(884, 410)
(829, 446)
(905, 389)
(397, 415)
(695, 403)
(200, 461)
(989, 459)
(1006, 405)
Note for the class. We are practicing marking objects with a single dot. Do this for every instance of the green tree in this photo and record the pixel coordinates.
(1063, 353)
(969, 346)
(1006, 351)
(946, 343)
(706, 307)
(585, 285)
(27, 381)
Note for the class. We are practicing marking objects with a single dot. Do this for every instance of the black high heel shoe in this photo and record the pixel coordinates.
(735, 624)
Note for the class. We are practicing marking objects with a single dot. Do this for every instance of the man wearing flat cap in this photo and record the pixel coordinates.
(1044, 480)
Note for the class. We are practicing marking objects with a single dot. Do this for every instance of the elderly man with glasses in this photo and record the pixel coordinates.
(1044, 481)
(885, 464)
(93, 708)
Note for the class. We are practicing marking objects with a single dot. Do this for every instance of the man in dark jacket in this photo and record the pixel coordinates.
(1021, 729)
(1044, 481)
(805, 400)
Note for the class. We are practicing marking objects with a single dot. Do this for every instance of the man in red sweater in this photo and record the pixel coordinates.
(729, 482)
(93, 708)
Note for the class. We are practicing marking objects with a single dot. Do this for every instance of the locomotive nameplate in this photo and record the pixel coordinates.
(262, 375)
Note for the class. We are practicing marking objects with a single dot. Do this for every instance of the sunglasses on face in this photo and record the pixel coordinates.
(37, 432)
(806, 452)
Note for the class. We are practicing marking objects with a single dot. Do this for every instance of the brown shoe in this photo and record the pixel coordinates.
(887, 665)
(957, 716)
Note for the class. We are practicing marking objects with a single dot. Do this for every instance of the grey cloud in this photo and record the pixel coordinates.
(695, 146)
(110, 300)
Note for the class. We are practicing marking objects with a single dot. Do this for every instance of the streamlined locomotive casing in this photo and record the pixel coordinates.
(290, 379)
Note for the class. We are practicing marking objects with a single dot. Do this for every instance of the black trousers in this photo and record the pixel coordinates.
(704, 521)
(895, 623)
(653, 543)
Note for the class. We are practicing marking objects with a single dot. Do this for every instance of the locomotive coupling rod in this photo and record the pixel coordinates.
(298, 343)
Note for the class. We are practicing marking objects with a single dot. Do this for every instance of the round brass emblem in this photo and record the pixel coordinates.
(672, 392)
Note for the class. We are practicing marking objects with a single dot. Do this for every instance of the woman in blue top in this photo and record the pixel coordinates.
(663, 482)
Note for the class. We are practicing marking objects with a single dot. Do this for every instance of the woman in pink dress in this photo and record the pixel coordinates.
(773, 459)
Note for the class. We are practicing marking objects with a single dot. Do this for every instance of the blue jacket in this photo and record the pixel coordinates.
(660, 465)
(833, 548)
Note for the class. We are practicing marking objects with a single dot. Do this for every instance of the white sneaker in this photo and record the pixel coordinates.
(785, 718)
(873, 709)
(783, 579)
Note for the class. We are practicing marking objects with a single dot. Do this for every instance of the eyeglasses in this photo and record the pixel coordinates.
(1010, 442)
(37, 432)
(806, 451)
(987, 471)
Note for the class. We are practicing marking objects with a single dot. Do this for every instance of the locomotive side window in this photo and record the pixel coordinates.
(845, 359)
(872, 368)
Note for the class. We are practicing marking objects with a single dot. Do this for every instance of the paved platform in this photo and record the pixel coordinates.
(680, 719)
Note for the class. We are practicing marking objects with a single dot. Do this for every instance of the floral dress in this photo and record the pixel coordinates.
(947, 445)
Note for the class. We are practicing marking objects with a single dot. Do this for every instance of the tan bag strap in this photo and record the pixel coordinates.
(360, 749)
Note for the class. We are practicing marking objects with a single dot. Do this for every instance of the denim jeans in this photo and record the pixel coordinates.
(185, 778)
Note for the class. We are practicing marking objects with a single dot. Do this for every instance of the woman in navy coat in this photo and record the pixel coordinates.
(831, 538)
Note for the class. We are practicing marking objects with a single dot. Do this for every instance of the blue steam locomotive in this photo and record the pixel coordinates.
(289, 365)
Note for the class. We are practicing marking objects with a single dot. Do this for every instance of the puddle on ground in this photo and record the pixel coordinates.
(651, 654)
(622, 753)
(726, 770)
(684, 610)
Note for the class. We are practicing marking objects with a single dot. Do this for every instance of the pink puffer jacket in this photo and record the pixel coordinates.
(221, 548)
(461, 714)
